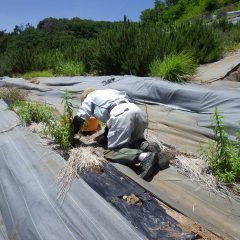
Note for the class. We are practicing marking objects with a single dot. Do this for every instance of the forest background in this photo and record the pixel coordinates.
(192, 31)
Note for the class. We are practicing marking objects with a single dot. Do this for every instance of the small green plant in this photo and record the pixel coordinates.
(223, 155)
(63, 132)
(33, 112)
(69, 68)
(174, 67)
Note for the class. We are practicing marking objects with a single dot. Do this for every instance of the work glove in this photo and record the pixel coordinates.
(106, 130)
(78, 123)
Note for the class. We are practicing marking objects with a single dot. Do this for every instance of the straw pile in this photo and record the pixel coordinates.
(197, 170)
(81, 159)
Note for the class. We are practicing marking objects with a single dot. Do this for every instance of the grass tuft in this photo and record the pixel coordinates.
(69, 68)
(174, 67)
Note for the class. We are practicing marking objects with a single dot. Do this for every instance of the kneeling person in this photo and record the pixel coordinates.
(125, 123)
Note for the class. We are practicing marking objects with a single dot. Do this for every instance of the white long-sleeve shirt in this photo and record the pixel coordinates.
(126, 122)
(99, 102)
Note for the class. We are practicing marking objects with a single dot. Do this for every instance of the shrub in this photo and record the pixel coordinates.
(83, 52)
(115, 48)
(223, 155)
(21, 60)
(201, 38)
(5, 66)
(211, 5)
(174, 67)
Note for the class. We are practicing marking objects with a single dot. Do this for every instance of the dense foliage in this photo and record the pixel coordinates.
(77, 47)
(181, 10)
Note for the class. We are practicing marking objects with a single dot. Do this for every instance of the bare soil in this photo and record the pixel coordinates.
(189, 225)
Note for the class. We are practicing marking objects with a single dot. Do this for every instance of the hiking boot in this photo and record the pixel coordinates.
(153, 147)
(163, 159)
(148, 164)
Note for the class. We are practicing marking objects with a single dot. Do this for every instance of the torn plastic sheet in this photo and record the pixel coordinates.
(148, 216)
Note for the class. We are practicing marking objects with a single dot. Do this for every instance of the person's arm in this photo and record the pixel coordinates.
(83, 113)
(86, 109)
(78, 123)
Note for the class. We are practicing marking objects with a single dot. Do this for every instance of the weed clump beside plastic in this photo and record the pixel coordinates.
(223, 155)
(62, 131)
(33, 112)
(173, 67)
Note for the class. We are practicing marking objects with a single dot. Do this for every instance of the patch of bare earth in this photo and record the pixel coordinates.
(188, 225)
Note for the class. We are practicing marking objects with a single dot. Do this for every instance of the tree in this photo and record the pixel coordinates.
(170, 3)
(18, 29)
(212, 5)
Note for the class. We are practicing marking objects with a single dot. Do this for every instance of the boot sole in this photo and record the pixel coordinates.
(150, 170)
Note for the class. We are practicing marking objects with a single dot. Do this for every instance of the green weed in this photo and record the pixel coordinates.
(33, 112)
(223, 155)
(174, 67)
(62, 131)
(69, 68)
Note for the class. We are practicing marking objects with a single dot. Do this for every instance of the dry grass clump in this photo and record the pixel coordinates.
(197, 170)
(81, 159)
(12, 94)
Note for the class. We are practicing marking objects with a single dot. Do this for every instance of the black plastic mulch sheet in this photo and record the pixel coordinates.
(148, 216)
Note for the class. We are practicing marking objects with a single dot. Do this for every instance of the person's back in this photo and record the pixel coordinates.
(125, 124)
(99, 103)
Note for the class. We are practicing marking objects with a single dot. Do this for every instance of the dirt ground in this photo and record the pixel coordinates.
(189, 225)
